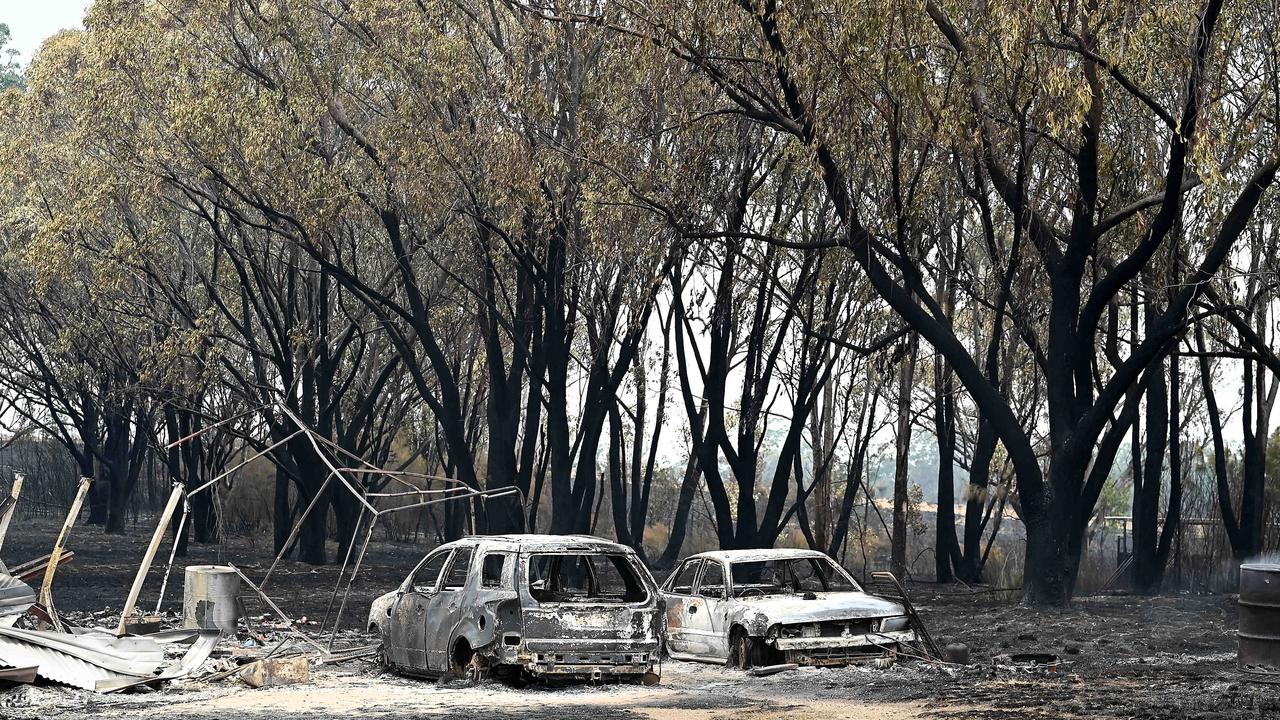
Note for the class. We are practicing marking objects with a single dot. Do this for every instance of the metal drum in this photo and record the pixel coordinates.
(209, 598)
(1259, 632)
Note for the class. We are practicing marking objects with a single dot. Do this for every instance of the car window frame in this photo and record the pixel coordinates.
(670, 585)
(448, 568)
(815, 573)
(505, 579)
(848, 576)
(696, 591)
(410, 587)
(628, 558)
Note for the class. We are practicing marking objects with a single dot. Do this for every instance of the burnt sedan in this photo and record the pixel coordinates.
(523, 605)
(750, 608)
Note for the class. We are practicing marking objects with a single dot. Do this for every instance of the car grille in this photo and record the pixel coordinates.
(838, 628)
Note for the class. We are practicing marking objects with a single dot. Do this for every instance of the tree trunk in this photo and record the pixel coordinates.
(117, 509)
(618, 480)
(902, 455)
(1048, 573)
(311, 540)
(684, 503)
(1148, 486)
(823, 434)
(204, 517)
(346, 515)
(946, 547)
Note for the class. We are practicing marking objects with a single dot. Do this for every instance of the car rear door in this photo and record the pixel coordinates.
(445, 608)
(589, 606)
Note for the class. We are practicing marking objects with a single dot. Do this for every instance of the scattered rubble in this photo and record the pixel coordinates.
(37, 643)
(772, 669)
(276, 671)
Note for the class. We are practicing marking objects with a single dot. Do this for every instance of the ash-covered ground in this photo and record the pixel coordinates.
(1119, 657)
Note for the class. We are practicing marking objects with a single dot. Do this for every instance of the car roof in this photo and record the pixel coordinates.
(732, 556)
(540, 542)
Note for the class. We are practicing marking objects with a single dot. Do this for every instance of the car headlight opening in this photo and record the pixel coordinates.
(891, 624)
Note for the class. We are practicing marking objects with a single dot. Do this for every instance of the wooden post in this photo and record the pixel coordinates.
(173, 551)
(46, 596)
(18, 480)
(156, 538)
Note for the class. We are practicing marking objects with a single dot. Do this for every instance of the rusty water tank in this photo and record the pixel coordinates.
(209, 598)
(1259, 632)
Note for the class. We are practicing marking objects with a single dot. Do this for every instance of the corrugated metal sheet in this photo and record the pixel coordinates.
(129, 656)
(189, 663)
(15, 596)
(55, 666)
(97, 660)
(81, 660)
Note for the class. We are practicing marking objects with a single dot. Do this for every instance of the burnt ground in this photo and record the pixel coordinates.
(1119, 657)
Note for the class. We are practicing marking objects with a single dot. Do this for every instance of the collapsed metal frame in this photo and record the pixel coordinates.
(455, 490)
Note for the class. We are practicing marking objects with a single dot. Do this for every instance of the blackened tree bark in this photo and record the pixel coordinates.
(902, 456)
(1147, 485)
(856, 466)
(947, 554)
(1248, 318)
(1057, 499)
(684, 501)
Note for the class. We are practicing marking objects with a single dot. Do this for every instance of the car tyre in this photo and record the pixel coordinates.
(466, 664)
(744, 651)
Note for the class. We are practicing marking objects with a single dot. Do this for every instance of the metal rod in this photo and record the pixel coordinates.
(173, 552)
(373, 521)
(406, 473)
(486, 494)
(311, 437)
(220, 423)
(297, 528)
(244, 462)
(345, 560)
(407, 493)
(279, 613)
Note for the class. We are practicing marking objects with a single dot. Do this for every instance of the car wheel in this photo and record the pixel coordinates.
(466, 664)
(743, 650)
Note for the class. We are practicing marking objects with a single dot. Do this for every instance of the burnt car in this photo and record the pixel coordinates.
(751, 608)
(516, 606)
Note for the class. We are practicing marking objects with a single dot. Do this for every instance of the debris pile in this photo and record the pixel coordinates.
(131, 648)
(35, 643)
(82, 655)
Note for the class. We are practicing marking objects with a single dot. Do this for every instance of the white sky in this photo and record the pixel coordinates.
(31, 21)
